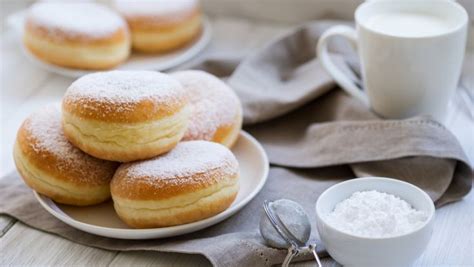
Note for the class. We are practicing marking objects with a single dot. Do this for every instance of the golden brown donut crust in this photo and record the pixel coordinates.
(216, 111)
(66, 38)
(99, 171)
(173, 33)
(196, 180)
(153, 24)
(76, 49)
(30, 40)
(171, 37)
(43, 188)
(71, 61)
(126, 155)
(160, 189)
(42, 168)
(179, 218)
(125, 115)
(142, 110)
(228, 134)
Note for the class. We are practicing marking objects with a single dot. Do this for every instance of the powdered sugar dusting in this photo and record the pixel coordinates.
(76, 18)
(45, 128)
(45, 135)
(122, 90)
(186, 159)
(376, 214)
(155, 8)
(213, 104)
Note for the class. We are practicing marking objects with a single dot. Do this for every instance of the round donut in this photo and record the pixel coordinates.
(216, 112)
(159, 26)
(194, 181)
(125, 115)
(52, 166)
(81, 35)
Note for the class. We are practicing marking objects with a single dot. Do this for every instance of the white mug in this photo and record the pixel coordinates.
(411, 54)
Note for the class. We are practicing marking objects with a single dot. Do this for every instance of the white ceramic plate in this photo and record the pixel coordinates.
(102, 220)
(136, 61)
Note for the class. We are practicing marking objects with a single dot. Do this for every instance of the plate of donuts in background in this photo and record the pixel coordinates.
(77, 38)
(141, 154)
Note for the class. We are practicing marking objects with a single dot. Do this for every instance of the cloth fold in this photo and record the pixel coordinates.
(315, 136)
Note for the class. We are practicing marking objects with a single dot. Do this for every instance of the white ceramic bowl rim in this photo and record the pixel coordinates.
(355, 180)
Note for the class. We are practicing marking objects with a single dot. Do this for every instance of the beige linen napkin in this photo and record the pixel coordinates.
(315, 136)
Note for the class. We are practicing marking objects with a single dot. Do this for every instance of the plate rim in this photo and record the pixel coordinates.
(155, 233)
(198, 46)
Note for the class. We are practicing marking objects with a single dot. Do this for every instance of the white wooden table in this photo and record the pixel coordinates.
(24, 88)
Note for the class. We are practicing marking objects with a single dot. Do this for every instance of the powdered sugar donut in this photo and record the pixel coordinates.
(53, 167)
(82, 35)
(216, 112)
(125, 115)
(194, 181)
(161, 25)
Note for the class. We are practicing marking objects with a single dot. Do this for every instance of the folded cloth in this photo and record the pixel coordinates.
(315, 136)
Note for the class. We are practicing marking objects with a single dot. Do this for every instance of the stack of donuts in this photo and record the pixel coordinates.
(157, 143)
(88, 35)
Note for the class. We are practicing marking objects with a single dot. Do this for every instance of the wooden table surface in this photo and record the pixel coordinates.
(24, 88)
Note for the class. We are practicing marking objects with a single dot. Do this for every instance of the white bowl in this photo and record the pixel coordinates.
(353, 250)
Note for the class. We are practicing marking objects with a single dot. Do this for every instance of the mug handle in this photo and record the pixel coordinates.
(323, 55)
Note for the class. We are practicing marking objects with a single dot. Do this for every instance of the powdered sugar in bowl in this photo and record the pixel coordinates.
(396, 225)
